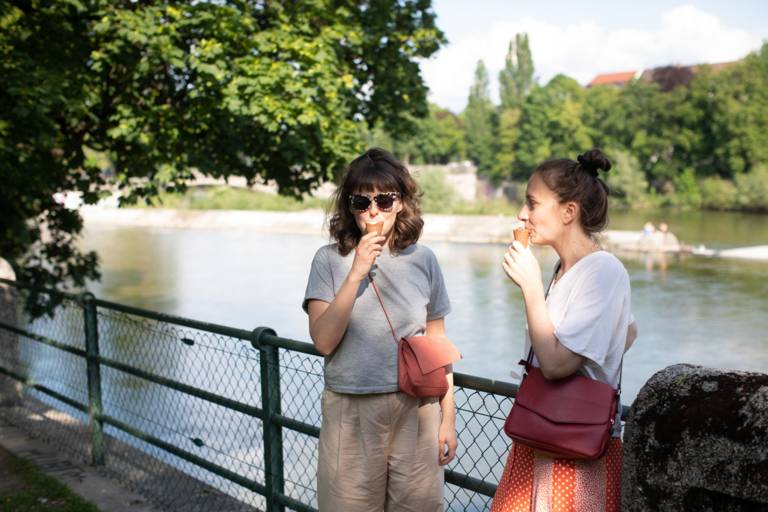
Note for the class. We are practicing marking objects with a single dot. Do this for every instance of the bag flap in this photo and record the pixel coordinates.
(575, 399)
(432, 352)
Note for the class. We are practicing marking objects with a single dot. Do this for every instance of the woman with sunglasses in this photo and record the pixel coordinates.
(582, 325)
(379, 449)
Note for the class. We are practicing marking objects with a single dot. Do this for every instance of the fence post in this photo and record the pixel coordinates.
(94, 378)
(269, 361)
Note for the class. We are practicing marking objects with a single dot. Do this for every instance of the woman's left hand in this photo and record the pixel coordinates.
(521, 267)
(447, 442)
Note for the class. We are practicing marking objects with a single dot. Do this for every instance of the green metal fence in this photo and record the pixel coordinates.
(203, 416)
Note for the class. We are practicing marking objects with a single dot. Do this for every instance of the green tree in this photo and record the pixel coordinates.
(509, 131)
(439, 137)
(626, 180)
(753, 189)
(515, 82)
(439, 196)
(268, 90)
(659, 128)
(603, 116)
(402, 145)
(436, 139)
(690, 136)
(734, 107)
(479, 122)
(516, 79)
(718, 193)
(552, 124)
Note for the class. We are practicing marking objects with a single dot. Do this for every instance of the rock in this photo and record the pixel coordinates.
(697, 439)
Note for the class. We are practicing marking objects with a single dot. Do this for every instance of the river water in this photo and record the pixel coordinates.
(689, 309)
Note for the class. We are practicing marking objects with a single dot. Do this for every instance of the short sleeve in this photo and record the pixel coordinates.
(439, 304)
(594, 310)
(320, 282)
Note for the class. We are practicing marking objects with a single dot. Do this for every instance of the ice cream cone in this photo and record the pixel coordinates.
(374, 228)
(522, 235)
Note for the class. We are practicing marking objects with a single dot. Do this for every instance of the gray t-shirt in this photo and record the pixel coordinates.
(412, 288)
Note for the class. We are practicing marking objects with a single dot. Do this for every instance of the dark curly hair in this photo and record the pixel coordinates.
(577, 181)
(376, 169)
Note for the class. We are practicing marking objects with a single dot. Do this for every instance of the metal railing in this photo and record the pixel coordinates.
(235, 410)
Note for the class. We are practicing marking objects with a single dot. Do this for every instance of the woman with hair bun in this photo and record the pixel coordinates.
(380, 449)
(581, 324)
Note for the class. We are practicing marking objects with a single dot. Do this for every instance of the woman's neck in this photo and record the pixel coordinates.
(574, 246)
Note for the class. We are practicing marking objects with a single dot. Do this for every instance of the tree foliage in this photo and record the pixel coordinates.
(626, 180)
(688, 137)
(435, 139)
(516, 79)
(267, 90)
(552, 124)
(515, 83)
(479, 121)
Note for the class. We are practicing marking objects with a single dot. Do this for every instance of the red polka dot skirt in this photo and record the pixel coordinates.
(535, 482)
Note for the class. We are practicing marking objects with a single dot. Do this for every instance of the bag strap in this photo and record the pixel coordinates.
(378, 296)
(528, 362)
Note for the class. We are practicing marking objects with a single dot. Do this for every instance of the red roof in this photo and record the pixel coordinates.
(612, 78)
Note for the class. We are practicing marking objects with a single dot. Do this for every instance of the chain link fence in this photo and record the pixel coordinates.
(198, 416)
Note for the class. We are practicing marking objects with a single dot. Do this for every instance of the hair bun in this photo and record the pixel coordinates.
(593, 160)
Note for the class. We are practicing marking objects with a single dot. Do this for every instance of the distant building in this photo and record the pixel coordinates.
(617, 79)
(668, 77)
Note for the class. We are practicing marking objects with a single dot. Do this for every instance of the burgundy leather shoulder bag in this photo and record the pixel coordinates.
(570, 417)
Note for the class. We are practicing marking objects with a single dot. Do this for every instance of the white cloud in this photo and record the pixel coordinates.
(684, 35)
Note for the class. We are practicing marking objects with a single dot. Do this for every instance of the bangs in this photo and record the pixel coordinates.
(372, 177)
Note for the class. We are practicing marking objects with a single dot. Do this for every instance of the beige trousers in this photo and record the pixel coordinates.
(379, 452)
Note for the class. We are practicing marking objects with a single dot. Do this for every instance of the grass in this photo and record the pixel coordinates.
(230, 198)
(36, 491)
(485, 207)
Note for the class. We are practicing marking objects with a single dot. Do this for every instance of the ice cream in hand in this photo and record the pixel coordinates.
(522, 235)
(373, 228)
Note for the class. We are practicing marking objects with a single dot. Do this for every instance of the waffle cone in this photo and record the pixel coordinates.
(374, 228)
(522, 235)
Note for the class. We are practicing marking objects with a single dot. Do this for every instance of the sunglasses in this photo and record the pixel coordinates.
(384, 201)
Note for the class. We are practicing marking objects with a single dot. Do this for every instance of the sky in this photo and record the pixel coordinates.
(583, 39)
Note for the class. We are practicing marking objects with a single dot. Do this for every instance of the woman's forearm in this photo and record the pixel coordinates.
(447, 406)
(329, 327)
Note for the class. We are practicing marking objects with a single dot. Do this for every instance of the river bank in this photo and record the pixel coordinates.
(437, 227)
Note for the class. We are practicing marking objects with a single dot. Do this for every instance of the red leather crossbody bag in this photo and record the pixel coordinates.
(421, 360)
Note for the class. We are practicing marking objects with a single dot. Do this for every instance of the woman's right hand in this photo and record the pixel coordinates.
(369, 247)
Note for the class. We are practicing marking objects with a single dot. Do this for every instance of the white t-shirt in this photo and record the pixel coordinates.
(590, 308)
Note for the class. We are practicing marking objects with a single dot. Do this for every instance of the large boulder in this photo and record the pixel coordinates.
(697, 439)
